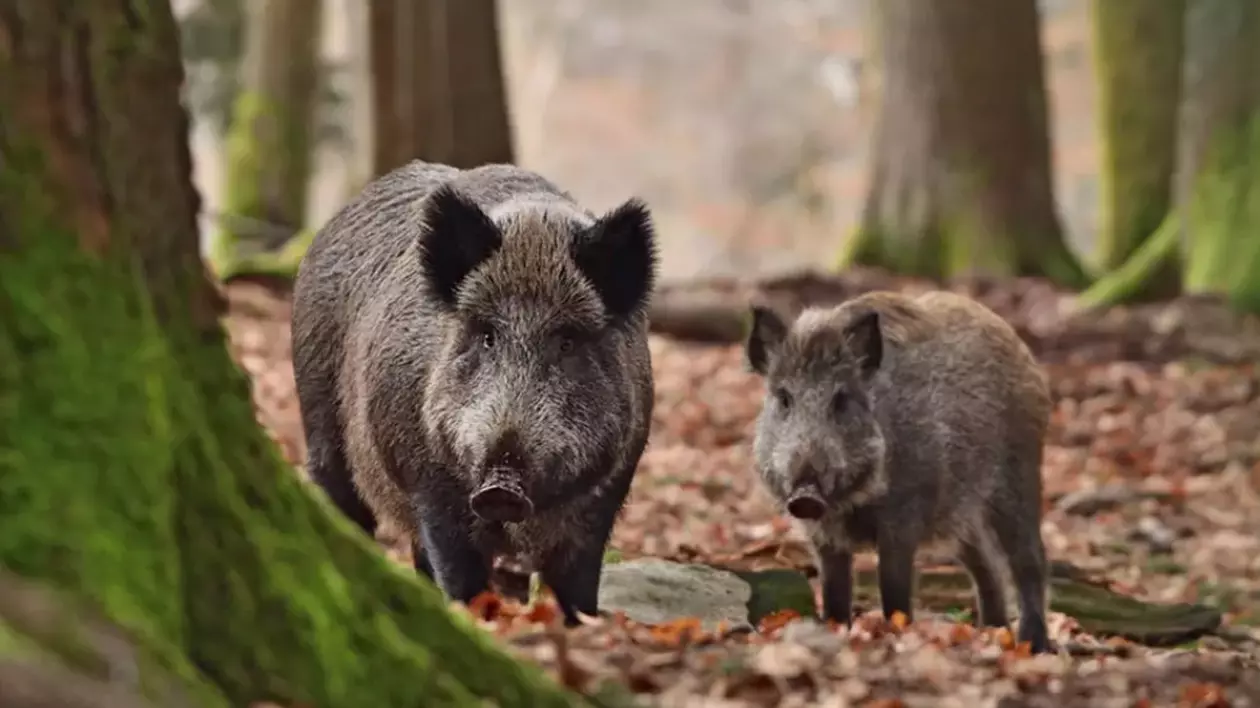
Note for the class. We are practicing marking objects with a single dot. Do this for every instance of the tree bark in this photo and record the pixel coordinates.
(1218, 185)
(960, 173)
(438, 84)
(1138, 62)
(360, 171)
(269, 146)
(132, 473)
(57, 653)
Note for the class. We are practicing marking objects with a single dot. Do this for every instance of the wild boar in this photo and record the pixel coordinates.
(470, 349)
(892, 421)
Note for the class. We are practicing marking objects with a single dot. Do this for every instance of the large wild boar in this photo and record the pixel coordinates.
(470, 348)
(892, 421)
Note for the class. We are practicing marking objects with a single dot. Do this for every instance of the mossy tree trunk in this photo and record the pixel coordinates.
(960, 178)
(1138, 48)
(132, 473)
(1217, 184)
(1219, 180)
(438, 83)
(271, 140)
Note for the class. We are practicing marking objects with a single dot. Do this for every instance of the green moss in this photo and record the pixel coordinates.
(1127, 282)
(960, 242)
(960, 236)
(84, 434)
(1224, 216)
(777, 589)
(1138, 48)
(281, 264)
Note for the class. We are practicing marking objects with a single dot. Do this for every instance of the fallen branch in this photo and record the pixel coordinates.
(1087, 502)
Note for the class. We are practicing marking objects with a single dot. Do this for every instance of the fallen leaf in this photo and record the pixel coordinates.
(1202, 695)
(678, 632)
(776, 620)
(486, 605)
(542, 612)
(961, 634)
(785, 660)
(1003, 638)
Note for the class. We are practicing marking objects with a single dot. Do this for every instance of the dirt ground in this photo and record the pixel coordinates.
(1152, 477)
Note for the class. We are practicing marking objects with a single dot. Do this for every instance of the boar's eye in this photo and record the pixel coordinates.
(487, 339)
(783, 398)
(566, 339)
(839, 402)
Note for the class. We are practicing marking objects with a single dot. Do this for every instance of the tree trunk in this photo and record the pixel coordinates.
(1219, 174)
(270, 143)
(960, 174)
(360, 171)
(132, 472)
(1138, 62)
(57, 653)
(438, 83)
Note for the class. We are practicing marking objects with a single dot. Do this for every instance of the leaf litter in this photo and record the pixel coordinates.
(1152, 480)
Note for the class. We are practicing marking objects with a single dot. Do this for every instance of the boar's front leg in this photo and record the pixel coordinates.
(420, 559)
(896, 572)
(454, 561)
(835, 569)
(573, 574)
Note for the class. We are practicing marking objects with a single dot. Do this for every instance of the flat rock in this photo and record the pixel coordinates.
(655, 591)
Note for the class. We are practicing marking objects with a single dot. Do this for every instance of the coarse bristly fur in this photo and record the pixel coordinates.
(450, 323)
(911, 420)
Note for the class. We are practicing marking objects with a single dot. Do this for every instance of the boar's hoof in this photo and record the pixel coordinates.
(501, 501)
(806, 503)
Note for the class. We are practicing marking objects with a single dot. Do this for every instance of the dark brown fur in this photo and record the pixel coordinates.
(453, 325)
(912, 420)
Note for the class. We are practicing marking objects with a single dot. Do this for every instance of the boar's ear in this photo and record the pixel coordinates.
(764, 338)
(866, 341)
(618, 255)
(457, 237)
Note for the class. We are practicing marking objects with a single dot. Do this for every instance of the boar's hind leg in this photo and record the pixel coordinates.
(326, 463)
(1020, 539)
(325, 452)
(978, 558)
(454, 562)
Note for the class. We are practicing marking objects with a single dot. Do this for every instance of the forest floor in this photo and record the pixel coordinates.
(1152, 480)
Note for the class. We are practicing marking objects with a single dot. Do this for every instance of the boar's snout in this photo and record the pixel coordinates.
(501, 499)
(501, 495)
(806, 502)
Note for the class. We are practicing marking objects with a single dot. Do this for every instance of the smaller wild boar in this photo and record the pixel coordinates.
(893, 421)
(470, 350)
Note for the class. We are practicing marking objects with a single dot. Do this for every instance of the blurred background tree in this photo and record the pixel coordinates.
(960, 176)
(970, 168)
(256, 74)
(438, 85)
(212, 40)
(1138, 62)
(1211, 225)
(270, 137)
